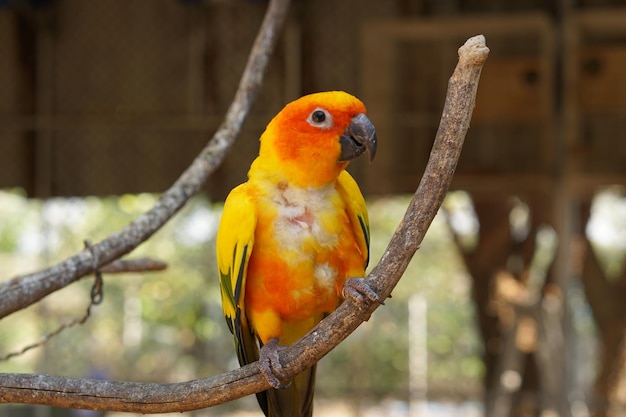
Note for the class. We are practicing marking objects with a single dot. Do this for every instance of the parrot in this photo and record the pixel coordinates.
(293, 240)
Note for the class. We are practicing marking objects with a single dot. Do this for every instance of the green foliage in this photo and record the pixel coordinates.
(168, 326)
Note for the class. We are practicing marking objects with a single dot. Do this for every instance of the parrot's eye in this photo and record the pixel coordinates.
(320, 118)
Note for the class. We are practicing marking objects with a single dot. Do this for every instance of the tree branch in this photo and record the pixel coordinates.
(133, 265)
(22, 291)
(116, 267)
(185, 396)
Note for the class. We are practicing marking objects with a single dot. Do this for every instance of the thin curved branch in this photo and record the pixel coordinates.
(185, 396)
(22, 291)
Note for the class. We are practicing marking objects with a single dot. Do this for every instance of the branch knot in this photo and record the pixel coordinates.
(97, 293)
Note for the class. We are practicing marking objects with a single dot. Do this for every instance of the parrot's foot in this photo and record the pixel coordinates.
(269, 363)
(358, 290)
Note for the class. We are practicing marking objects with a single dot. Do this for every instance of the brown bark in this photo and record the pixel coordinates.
(483, 262)
(606, 300)
(498, 254)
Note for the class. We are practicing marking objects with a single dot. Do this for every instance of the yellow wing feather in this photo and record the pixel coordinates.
(235, 239)
(357, 211)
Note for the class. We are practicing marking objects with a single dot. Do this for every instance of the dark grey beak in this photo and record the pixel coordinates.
(359, 136)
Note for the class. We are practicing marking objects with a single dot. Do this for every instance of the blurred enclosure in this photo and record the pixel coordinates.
(516, 301)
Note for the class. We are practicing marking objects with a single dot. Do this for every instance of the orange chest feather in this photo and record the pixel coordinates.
(304, 251)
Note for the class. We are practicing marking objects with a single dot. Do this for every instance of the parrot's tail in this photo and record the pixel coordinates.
(294, 401)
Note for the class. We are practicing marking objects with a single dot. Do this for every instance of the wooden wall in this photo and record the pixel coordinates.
(114, 97)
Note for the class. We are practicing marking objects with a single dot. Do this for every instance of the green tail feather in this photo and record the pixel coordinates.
(294, 401)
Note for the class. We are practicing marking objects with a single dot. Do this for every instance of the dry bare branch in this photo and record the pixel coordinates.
(184, 396)
(115, 267)
(22, 291)
(133, 265)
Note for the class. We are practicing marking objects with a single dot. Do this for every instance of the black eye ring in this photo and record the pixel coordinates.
(318, 116)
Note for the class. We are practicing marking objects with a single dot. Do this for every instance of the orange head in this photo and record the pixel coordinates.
(312, 139)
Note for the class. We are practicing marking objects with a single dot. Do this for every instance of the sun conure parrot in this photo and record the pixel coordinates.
(293, 240)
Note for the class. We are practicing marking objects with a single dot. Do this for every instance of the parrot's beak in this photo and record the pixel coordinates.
(359, 136)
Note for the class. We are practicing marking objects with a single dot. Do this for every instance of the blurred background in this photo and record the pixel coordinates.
(515, 305)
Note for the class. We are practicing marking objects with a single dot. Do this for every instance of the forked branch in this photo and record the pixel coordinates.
(184, 396)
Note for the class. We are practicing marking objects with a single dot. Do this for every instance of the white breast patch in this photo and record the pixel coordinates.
(299, 210)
